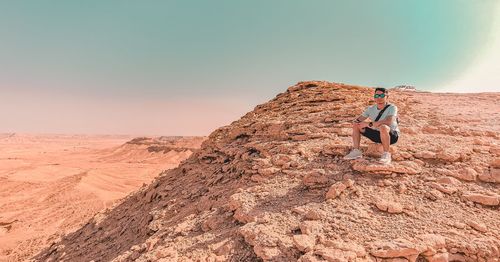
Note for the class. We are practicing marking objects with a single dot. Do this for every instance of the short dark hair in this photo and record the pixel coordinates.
(385, 91)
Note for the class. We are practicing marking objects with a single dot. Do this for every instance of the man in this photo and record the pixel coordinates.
(384, 130)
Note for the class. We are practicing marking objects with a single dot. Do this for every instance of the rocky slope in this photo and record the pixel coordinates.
(273, 186)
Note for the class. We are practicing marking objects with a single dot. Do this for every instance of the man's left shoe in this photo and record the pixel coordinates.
(385, 159)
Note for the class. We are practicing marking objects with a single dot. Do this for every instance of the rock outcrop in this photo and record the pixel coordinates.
(273, 186)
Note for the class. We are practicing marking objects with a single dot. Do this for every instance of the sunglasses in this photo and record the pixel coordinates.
(379, 95)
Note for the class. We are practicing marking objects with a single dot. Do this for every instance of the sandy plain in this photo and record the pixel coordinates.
(51, 184)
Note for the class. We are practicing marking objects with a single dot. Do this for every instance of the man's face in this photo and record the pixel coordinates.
(380, 97)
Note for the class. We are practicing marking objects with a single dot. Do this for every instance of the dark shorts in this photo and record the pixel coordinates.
(374, 135)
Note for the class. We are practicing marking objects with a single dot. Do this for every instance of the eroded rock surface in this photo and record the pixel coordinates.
(273, 186)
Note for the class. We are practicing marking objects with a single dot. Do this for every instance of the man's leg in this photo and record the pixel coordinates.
(356, 135)
(385, 137)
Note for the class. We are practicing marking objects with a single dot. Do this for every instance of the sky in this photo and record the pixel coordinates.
(187, 67)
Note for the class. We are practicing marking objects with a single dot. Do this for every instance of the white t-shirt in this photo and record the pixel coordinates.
(372, 113)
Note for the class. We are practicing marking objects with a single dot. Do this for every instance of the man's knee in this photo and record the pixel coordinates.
(384, 128)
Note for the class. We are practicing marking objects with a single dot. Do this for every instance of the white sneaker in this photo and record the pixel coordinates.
(354, 154)
(386, 158)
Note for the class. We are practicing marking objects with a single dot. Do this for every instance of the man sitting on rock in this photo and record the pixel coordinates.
(382, 128)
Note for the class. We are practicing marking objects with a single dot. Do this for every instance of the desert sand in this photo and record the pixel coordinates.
(51, 184)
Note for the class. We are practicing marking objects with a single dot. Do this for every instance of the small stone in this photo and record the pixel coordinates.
(313, 214)
(402, 189)
(268, 171)
(459, 225)
(315, 178)
(467, 174)
(335, 190)
(312, 228)
(266, 253)
(478, 226)
(388, 206)
(444, 188)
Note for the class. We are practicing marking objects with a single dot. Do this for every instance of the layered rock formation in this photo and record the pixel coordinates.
(273, 186)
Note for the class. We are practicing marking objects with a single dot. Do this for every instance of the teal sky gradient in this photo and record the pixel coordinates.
(143, 52)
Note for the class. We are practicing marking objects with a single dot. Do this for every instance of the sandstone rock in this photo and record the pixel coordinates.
(261, 163)
(495, 150)
(447, 156)
(444, 172)
(237, 132)
(267, 253)
(404, 167)
(242, 205)
(457, 257)
(281, 160)
(209, 225)
(311, 228)
(398, 248)
(478, 226)
(268, 171)
(459, 225)
(425, 155)
(491, 175)
(376, 150)
(336, 150)
(304, 243)
(313, 214)
(335, 255)
(495, 163)
(169, 253)
(432, 241)
(483, 199)
(335, 190)
(434, 194)
(445, 188)
(402, 189)
(346, 246)
(315, 178)
(389, 206)
(448, 180)
(223, 248)
(310, 257)
(466, 174)
(439, 257)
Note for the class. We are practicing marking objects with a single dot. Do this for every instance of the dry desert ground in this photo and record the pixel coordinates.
(51, 184)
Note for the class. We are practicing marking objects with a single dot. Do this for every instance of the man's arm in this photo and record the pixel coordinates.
(387, 121)
(360, 119)
(392, 112)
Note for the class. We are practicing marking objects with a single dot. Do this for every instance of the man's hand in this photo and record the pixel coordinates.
(362, 124)
(359, 119)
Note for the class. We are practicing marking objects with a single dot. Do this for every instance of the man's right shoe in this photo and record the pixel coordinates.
(354, 154)
(385, 159)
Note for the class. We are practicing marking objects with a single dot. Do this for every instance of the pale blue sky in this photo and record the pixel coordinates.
(126, 60)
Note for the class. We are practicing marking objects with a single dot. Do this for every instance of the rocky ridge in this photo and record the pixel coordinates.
(273, 186)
